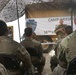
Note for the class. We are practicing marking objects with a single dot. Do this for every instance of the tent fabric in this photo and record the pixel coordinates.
(48, 6)
(8, 8)
(45, 14)
(3, 4)
(9, 12)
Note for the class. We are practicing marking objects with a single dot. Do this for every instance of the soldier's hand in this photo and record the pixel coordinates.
(61, 30)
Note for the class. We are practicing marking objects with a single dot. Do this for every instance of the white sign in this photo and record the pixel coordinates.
(46, 26)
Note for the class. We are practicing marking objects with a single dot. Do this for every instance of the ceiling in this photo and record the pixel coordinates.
(11, 10)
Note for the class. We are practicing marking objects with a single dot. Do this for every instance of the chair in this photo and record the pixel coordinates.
(34, 57)
(32, 51)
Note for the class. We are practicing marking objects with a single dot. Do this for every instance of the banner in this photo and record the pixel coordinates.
(46, 26)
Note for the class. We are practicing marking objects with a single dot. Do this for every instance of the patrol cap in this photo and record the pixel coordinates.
(3, 28)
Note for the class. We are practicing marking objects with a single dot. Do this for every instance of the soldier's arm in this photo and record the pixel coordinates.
(56, 47)
(3, 70)
(61, 56)
(60, 49)
(56, 29)
(40, 51)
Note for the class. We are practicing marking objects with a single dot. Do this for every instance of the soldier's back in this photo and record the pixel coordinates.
(68, 46)
(71, 52)
(9, 47)
(30, 43)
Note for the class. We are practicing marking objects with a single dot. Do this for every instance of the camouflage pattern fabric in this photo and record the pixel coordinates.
(59, 33)
(3, 70)
(67, 48)
(37, 45)
(8, 46)
(33, 44)
(59, 70)
(56, 46)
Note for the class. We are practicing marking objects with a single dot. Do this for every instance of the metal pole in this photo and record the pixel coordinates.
(71, 15)
(25, 18)
(72, 18)
(18, 20)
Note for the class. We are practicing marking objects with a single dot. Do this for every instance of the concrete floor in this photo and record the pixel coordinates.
(47, 69)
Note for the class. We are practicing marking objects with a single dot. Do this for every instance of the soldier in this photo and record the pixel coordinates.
(60, 70)
(60, 29)
(29, 42)
(10, 47)
(68, 30)
(67, 50)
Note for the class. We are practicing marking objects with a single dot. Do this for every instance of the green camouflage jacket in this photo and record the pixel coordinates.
(3, 70)
(58, 32)
(34, 44)
(67, 48)
(10, 47)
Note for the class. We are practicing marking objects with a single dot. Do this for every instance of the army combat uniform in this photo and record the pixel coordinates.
(3, 70)
(10, 47)
(37, 45)
(67, 49)
(59, 33)
(59, 70)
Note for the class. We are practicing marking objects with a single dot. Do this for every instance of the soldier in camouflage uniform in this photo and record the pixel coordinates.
(29, 42)
(60, 70)
(10, 47)
(68, 31)
(60, 29)
(67, 50)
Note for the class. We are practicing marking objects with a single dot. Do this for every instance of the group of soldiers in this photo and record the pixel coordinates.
(65, 51)
(63, 63)
(14, 57)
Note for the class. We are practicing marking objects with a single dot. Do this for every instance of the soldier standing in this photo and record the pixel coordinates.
(60, 29)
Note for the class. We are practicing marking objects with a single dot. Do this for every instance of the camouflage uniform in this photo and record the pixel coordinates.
(28, 42)
(59, 70)
(59, 33)
(67, 48)
(8, 46)
(56, 46)
(3, 70)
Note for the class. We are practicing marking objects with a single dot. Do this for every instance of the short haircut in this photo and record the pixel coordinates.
(3, 28)
(68, 29)
(28, 31)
